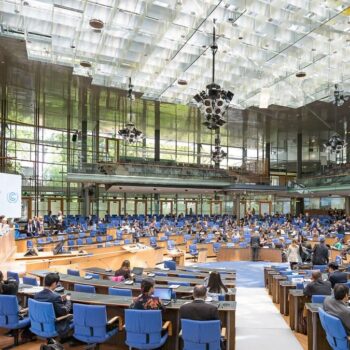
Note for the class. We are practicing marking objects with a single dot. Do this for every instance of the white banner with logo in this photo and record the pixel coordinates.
(10, 195)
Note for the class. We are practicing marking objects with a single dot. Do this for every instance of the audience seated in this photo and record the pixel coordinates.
(198, 309)
(8, 287)
(124, 270)
(146, 301)
(337, 305)
(317, 286)
(215, 286)
(61, 303)
(336, 276)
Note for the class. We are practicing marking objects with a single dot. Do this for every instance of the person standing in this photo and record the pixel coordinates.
(320, 253)
(255, 245)
(293, 254)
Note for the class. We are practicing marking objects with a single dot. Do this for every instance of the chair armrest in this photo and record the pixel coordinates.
(168, 325)
(61, 318)
(223, 332)
(114, 320)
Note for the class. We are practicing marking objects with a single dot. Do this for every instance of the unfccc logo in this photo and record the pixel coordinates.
(12, 197)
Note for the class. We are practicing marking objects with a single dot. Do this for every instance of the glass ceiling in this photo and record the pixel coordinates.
(262, 45)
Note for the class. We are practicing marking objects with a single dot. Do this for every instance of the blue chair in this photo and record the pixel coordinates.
(13, 275)
(84, 288)
(43, 320)
(193, 251)
(338, 260)
(144, 329)
(201, 335)
(170, 264)
(73, 272)
(318, 298)
(153, 242)
(120, 292)
(186, 276)
(335, 332)
(180, 283)
(30, 281)
(322, 268)
(93, 275)
(170, 244)
(127, 241)
(9, 316)
(216, 247)
(29, 244)
(90, 324)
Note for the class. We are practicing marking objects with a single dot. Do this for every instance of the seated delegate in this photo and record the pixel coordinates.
(337, 305)
(61, 303)
(146, 300)
(215, 286)
(317, 286)
(124, 270)
(336, 276)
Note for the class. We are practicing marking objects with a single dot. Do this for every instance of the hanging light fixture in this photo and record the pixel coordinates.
(218, 154)
(214, 101)
(130, 134)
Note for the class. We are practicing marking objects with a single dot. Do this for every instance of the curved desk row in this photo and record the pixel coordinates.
(102, 285)
(245, 254)
(116, 306)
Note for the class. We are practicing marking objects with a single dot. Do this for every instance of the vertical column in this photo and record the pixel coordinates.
(299, 150)
(95, 108)
(347, 206)
(157, 131)
(3, 115)
(125, 200)
(198, 136)
(217, 136)
(299, 206)
(69, 126)
(237, 206)
(156, 204)
(245, 138)
(175, 202)
(267, 147)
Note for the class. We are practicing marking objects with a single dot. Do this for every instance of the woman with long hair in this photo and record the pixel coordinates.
(124, 270)
(293, 254)
(215, 285)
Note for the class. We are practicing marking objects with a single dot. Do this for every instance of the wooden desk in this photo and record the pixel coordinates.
(270, 275)
(197, 268)
(276, 279)
(316, 336)
(116, 306)
(178, 256)
(245, 254)
(284, 288)
(296, 306)
(105, 274)
(7, 246)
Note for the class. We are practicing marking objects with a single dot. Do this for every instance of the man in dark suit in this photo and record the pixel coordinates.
(61, 304)
(255, 244)
(337, 305)
(320, 254)
(198, 309)
(30, 228)
(336, 276)
(317, 286)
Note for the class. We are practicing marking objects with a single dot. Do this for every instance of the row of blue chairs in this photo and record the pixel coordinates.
(144, 328)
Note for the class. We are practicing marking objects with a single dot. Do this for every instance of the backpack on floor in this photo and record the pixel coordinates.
(54, 345)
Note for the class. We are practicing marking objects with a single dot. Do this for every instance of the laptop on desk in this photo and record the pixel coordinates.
(164, 294)
(137, 271)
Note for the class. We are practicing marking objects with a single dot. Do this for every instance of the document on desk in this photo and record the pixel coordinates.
(174, 286)
(31, 290)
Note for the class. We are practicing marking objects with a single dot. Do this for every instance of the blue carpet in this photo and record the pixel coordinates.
(249, 274)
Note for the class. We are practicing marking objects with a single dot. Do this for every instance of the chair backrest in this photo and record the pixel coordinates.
(42, 318)
(193, 247)
(169, 264)
(143, 326)
(13, 275)
(90, 322)
(84, 288)
(322, 268)
(335, 331)
(73, 272)
(120, 291)
(180, 283)
(170, 244)
(30, 280)
(201, 335)
(318, 298)
(8, 311)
